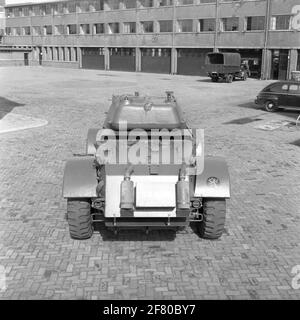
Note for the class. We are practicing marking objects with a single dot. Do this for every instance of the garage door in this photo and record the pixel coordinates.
(93, 58)
(122, 59)
(191, 61)
(156, 60)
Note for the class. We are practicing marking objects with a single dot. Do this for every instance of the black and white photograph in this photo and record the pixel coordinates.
(149, 151)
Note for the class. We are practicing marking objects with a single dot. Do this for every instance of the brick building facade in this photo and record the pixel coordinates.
(166, 36)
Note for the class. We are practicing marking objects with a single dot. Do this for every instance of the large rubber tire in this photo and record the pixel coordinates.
(214, 214)
(270, 106)
(79, 218)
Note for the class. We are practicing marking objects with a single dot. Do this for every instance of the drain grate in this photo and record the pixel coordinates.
(243, 120)
(296, 143)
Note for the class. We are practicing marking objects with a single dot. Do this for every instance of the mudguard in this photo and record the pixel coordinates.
(214, 167)
(267, 96)
(91, 140)
(80, 178)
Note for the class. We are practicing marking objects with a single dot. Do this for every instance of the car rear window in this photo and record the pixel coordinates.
(294, 88)
(278, 88)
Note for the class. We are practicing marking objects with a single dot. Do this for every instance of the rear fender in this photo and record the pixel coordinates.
(271, 97)
(217, 168)
(91, 140)
(80, 178)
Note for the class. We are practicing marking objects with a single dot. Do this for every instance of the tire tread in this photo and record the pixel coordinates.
(79, 218)
(214, 213)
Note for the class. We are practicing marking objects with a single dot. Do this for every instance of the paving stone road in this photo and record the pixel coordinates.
(253, 259)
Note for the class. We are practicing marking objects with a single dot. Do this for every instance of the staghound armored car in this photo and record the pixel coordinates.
(112, 185)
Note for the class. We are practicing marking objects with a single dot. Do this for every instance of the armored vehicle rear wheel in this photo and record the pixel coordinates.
(212, 225)
(79, 218)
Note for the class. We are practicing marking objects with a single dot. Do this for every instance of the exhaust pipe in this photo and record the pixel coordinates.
(127, 192)
(182, 190)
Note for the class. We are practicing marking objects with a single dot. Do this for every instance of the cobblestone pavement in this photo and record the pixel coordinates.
(252, 260)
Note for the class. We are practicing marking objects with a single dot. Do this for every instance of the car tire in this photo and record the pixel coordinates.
(270, 106)
(79, 218)
(229, 78)
(214, 79)
(213, 222)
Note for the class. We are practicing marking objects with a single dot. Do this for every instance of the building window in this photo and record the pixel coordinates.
(26, 11)
(51, 53)
(113, 4)
(255, 23)
(26, 31)
(121, 52)
(113, 27)
(185, 2)
(63, 54)
(48, 30)
(129, 27)
(42, 9)
(36, 10)
(165, 3)
(99, 28)
(76, 54)
(230, 24)
(85, 29)
(165, 26)
(16, 12)
(59, 29)
(17, 31)
(207, 25)
(84, 6)
(97, 5)
(69, 54)
(209, 1)
(281, 22)
(46, 53)
(185, 25)
(147, 26)
(8, 31)
(9, 12)
(71, 29)
(58, 8)
(37, 30)
(71, 7)
(48, 9)
(156, 52)
(146, 3)
(129, 4)
(57, 53)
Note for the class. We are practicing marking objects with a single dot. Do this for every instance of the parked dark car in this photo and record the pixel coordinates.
(280, 94)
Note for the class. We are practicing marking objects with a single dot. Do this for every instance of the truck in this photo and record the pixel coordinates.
(227, 66)
(122, 193)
